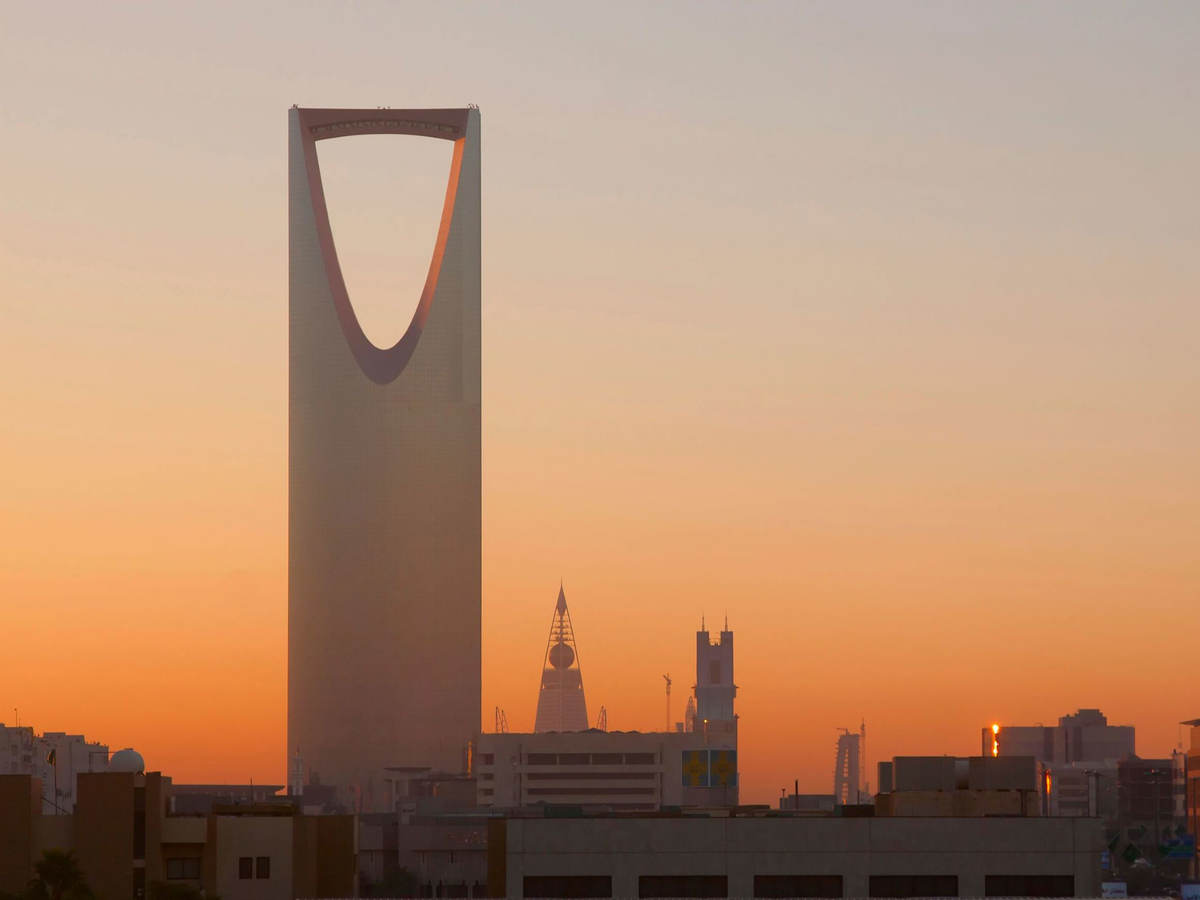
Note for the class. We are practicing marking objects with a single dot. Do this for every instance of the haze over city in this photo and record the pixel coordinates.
(872, 328)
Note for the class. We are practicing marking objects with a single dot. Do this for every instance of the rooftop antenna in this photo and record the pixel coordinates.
(667, 679)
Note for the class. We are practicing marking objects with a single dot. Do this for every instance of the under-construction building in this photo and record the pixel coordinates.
(849, 768)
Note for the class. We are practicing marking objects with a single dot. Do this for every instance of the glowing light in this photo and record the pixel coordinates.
(995, 739)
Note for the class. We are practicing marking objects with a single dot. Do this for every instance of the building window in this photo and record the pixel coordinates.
(541, 759)
(683, 886)
(568, 886)
(262, 867)
(487, 759)
(607, 759)
(574, 759)
(245, 867)
(914, 886)
(1029, 886)
(797, 885)
(186, 868)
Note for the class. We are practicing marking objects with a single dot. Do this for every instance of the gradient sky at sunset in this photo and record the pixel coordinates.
(873, 325)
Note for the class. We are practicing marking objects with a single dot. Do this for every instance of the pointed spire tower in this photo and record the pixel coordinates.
(561, 706)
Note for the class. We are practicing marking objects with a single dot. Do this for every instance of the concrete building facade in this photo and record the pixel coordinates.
(617, 770)
(948, 786)
(384, 519)
(802, 856)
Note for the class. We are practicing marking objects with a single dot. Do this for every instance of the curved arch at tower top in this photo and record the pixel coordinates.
(382, 364)
(385, 196)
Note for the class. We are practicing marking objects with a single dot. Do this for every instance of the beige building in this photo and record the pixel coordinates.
(617, 770)
(126, 840)
(949, 786)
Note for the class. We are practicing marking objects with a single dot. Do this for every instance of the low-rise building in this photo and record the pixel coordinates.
(54, 757)
(126, 840)
(961, 786)
(793, 856)
(617, 770)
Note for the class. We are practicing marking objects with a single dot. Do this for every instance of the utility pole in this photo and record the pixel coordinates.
(1155, 773)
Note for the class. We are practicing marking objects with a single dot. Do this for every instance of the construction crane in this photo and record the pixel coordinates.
(667, 679)
(602, 720)
(501, 721)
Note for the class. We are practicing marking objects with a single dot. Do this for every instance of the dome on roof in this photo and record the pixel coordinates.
(127, 760)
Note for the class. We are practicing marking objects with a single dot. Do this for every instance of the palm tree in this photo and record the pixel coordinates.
(58, 876)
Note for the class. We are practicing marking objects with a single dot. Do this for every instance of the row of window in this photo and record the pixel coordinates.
(590, 776)
(187, 868)
(568, 791)
(591, 759)
(578, 759)
(891, 886)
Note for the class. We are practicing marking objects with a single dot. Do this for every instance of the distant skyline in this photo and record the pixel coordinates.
(874, 325)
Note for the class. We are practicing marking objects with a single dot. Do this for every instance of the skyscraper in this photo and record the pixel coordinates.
(384, 533)
(561, 705)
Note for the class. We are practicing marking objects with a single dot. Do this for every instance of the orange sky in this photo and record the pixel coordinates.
(878, 331)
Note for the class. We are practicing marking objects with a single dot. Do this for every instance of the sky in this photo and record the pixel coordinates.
(873, 326)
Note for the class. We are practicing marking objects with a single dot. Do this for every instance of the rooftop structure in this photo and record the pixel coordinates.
(961, 787)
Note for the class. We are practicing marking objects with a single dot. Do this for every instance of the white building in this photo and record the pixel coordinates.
(54, 757)
(617, 770)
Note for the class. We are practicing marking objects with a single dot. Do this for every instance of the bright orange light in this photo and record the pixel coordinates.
(995, 739)
(1049, 782)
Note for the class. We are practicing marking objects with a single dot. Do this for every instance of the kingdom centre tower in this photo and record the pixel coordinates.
(384, 532)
